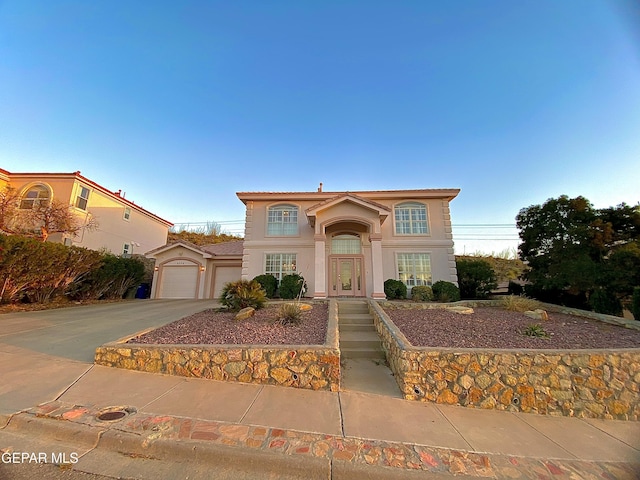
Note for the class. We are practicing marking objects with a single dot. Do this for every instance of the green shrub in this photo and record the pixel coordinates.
(269, 284)
(292, 286)
(395, 289)
(110, 280)
(535, 330)
(475, 277)
(290, 314)
(445, 291)
(635, 303)
(604, 301)
(421, 293)
(515, 288)
(242, 294)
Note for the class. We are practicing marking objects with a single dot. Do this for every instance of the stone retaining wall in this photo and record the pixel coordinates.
(580, 383)
(316, 368)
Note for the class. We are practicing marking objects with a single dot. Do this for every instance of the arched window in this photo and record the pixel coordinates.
(345, 244)
(411, 219)
(35, 196)
(282, 220)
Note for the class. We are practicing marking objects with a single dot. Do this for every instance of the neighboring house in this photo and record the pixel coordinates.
(123, 227)
(342, 243)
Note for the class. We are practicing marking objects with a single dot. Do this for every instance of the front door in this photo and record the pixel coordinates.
(346, 278)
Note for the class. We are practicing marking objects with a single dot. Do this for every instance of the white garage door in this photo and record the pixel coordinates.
(179, 281)
(225, 275)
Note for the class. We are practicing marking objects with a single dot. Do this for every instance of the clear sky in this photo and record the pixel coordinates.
(183, 103)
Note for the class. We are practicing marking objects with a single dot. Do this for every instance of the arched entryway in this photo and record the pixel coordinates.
(346, 265)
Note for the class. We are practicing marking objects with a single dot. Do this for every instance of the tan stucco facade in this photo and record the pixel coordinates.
(123, 226)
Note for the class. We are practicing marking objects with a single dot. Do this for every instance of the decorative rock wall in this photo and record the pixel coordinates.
(580, 383)
(316, 368)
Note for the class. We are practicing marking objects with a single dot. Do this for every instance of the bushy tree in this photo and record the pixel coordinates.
(269, 284)
(476, 278)
(574, 249)
(445, 291)
(292, 286)
(395, 289)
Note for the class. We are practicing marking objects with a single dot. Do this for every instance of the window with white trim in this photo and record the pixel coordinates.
(411, 219)
(83, 198)
(126, 250)
(414, 269)
(34, 197)
(127, 213)
(280, 264)
(345, 244)
(282, 220)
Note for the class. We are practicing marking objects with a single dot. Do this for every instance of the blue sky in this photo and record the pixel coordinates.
(183, 103)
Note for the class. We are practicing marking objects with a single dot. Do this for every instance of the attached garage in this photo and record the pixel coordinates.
(225, 275)
(179, 280)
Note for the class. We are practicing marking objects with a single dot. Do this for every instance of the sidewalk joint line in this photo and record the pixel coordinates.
(522, 419)
(163, 394)
(73, 383)
(471, 447)
(251, 404)
(341, 415)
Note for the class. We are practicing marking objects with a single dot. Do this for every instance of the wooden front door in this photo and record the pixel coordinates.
(346, 276)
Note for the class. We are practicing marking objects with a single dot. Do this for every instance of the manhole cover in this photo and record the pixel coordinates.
(112, 414)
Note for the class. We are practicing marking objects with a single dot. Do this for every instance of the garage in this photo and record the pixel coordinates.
(179, 281)
(225, 275)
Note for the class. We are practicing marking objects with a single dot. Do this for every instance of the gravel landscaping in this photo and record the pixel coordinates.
(497, 328)
(220, 328)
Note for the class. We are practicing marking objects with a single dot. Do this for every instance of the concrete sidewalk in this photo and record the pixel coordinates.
(358, 428)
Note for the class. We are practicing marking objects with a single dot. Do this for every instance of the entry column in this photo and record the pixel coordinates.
(320, 268)
(376, 261)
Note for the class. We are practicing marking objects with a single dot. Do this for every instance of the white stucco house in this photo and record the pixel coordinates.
(345, 244)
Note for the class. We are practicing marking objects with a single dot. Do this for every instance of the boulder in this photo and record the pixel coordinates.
(245, 313)
(537, 314)
(461, 310)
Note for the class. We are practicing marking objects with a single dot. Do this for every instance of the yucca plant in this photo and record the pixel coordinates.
(290, 314)
(243, 293)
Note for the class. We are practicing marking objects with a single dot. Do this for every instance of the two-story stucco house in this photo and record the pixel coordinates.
(123, 227)
(342, 243)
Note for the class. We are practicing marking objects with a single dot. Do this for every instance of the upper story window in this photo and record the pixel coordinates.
(282, 220)
(35, 196)
(82, 198)
(127, 213)
(411, 219)
(345, 244)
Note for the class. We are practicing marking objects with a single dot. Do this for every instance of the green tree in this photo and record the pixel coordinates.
(571, 247)
(476, 278)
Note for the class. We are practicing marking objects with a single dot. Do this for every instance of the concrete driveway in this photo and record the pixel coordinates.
(43, 353)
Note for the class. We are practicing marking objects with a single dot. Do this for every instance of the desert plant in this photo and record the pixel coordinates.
(635, 303)
(535, 330)
(241, 294)
(269, 284)
(604, 301)
(421, 293)
(395, 289)
(292, 286)
(475, 277)
(519, 303)
(290, 313)
(445, 291)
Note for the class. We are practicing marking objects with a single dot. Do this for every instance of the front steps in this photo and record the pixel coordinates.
(358, 336)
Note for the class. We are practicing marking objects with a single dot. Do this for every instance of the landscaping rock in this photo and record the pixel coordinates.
(245, 313)
(537, 314)
(461, 310)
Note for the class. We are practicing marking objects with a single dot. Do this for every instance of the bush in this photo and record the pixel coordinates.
(445, 291)
(290, 314)
(243, 294)
(269, 284)
(395, 289)
(476, 278)
(635, 303)
(111, 279)
(517, 303)
(604, 301)
(292, 285)
(421, 293)
(515, 288)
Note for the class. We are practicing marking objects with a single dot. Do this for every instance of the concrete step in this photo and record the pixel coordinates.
(361, 353)
(353, 307)
(356, 327)
(359, 318)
